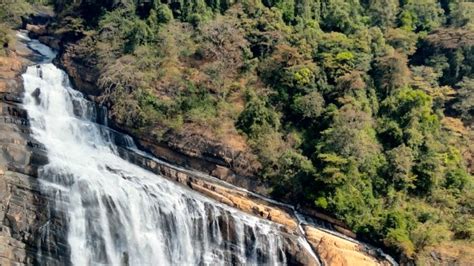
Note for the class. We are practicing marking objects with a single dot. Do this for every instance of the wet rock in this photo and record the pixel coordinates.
(84, 77)
(36, 30)
(40, 71)
(39, 18)
(197, 152)
(334, 250)
(36, 93)
(12, 98)
(51, 41)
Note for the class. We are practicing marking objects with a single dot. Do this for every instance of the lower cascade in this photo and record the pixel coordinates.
(117, 213)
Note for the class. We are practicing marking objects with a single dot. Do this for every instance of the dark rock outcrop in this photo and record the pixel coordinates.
(82, 75)
(194, 151)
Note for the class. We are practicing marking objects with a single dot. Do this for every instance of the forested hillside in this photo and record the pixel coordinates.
(361, 109)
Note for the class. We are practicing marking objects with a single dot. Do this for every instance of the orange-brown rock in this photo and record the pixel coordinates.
(36, 29)
(334, 250)
(11, 65)
(234, 198)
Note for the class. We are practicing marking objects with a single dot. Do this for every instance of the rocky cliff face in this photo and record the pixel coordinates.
(25, 222)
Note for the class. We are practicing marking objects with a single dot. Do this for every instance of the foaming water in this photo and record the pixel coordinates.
(120, 214)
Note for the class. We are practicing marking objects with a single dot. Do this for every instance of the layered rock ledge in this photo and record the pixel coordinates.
(332, 248)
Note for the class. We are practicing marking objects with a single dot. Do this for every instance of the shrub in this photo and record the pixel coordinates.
(257, 117)
(164, 14)
(309, 106)
(5, 38)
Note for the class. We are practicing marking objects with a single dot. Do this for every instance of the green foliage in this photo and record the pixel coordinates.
(195, 11)
(257, 117)
(400, 163)
(461, 13)
(137, 33)
(411, 111)
(340, 15)
(335, 169)
(340, 54)
(421, 15)
(321, 202)
(309, 106)
(11, 11)
(400, 239)
(197, 105)
(403, 41)
(463, 227)
(5, 38)
(391, 72)
(426, 171)
(465, 100)
(383, 13)
(164, 14)
(293, 172)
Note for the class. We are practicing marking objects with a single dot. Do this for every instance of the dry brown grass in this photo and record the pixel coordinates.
(450, 253)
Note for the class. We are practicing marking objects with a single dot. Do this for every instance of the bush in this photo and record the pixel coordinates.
(5, 38)
(463, 228)
(11, 11)
(399, 239)
(257, 117)
(294, 171)
(164, 14)
(309, 106)
(429, 234)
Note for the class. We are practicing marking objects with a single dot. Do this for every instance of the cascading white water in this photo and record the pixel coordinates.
(118, 213)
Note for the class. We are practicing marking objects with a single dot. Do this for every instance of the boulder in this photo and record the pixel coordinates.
(36, 30)
(50, 41)
(334, 250)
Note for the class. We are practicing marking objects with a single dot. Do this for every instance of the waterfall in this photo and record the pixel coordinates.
(118, 213)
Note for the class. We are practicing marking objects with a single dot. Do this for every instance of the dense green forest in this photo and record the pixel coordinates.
(361, 108)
